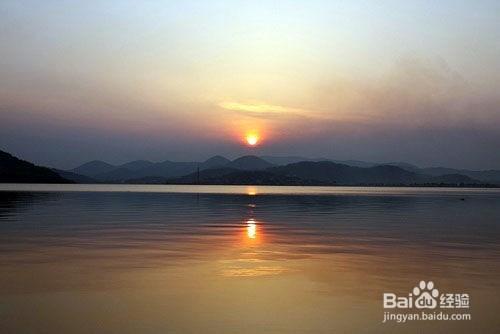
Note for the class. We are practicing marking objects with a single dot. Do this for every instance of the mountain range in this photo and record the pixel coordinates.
(293, 170)
(309, 170)
(271, 170)
(321, 173)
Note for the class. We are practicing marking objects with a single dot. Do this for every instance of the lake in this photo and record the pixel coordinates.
(241, 259)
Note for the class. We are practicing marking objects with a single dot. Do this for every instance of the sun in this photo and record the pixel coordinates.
(252, 139)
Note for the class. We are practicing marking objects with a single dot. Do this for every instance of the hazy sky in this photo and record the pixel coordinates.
(413, 81)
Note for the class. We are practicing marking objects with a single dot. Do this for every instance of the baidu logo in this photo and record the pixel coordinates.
(431, 303)
(423, 296)
(426, 295)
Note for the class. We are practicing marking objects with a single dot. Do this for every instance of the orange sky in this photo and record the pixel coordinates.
(348, 80)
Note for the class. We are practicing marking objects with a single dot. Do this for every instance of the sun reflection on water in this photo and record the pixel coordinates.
(251, 191)
(251, 229)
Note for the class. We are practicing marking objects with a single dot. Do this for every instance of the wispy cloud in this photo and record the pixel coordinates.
(263, 110)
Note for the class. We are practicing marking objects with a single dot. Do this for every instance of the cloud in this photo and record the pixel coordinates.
(263, 110)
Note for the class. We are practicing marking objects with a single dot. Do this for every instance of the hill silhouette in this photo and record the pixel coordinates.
(320, 173)
(214, 162)
(247, 170)
(77, 178)
(146, 170)
(220, 170)
(231, 176)
(14, 170)
(334, 173)
(93, 168)
(249, 162)
(137, 165)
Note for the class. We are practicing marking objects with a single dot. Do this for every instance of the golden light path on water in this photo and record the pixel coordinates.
(298, 263)
(251, 229)
(251, 190)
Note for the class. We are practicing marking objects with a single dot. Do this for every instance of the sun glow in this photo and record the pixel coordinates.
(251, 229)
(252, 191)
(252, 139)
(252, 233)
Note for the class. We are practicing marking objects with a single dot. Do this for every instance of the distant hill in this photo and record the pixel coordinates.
(168, 169)
(248, 169)
(452, 179)
(230, 176)
(204, 175)
(116, 175)
(341, 174)
(138, 169)
(214, 162)
(249, 162)
(137, 165)
(148, 180)
(74, 177)
(405, 166)
(333, 173)
(93, 168)
(146, 170)
(320, 173)
(285, 160)
(355, 163)
(484, 176)
(14, 170)
(317, 170)
(488, 176)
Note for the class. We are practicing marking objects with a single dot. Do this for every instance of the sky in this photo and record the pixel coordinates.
(380, 81)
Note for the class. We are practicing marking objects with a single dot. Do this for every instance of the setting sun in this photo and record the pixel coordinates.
(252, 139)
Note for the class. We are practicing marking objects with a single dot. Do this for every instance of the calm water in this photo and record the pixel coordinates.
(186, 259)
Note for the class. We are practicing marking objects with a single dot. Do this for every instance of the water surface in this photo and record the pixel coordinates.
(217, 259)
